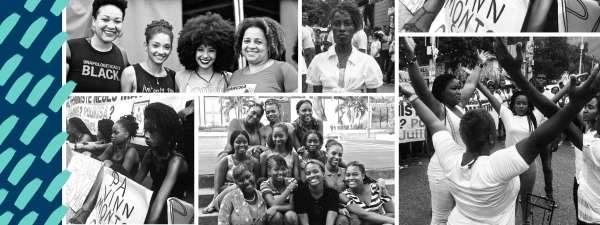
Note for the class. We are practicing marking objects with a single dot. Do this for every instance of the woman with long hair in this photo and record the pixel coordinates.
(96, 63)
(205, 49)
(78, 132)
(260, 41)
(280, 143)
(150, 76)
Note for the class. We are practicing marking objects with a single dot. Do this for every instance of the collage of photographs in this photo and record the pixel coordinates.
(332, 112)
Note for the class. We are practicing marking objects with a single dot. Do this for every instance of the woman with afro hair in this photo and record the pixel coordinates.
(260, 41)
(205, 49)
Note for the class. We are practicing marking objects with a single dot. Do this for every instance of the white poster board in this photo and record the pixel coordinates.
(411, 127)
(480, 16)
(578, 16)
(179, 211)
(120, 201)
(84, 171)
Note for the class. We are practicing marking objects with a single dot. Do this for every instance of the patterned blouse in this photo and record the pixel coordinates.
(236, 211)
(378, 198)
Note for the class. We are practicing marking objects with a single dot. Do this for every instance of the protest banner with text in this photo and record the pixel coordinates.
(480, 16)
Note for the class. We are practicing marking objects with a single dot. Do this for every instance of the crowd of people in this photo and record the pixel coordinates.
(167, 157)
(208, 48)
(346, 57)
(471, 182)
(279, 173)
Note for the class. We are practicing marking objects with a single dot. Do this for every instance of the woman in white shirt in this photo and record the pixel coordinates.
(344, 68)
(485, 184)
(588, 194)
(446, 100)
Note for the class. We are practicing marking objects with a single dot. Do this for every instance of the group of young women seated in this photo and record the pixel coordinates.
(168, 159)
(470, 181)
(282, 184)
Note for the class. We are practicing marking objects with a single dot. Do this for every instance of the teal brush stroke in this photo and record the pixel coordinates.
(27, 193)
(39, 90)
(53, 147)
(9, 68)
(61, 96)
(20, 169)
(5, 158)
(58, 6)
(53, 46)
(7, 25)
(33, 128)
(3, 194)
(7, 126)
(15, 91)
(57, 183)
(57, 215)
(30, 5)
(33, 32)
(29, 219)
(6, 217)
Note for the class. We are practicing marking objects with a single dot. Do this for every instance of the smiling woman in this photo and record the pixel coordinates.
(260, 40)
(96, 63)
(151, 75)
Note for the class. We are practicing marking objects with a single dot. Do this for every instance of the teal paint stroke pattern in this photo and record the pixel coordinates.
(31, 98)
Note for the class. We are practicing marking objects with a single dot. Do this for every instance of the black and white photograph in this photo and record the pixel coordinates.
(347, 46)
(296, 160)
(165, 46)
(131, 159)
(499, 130)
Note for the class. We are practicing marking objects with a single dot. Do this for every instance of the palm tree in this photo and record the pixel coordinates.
(354, 108)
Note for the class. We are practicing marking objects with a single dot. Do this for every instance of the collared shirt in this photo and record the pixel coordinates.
(362, 71)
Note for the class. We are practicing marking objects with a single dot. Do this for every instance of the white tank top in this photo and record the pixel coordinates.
(452, 123)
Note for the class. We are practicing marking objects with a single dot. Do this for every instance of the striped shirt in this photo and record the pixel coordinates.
(378, 198)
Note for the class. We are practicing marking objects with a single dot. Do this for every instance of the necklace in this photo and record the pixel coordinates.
(202, 78)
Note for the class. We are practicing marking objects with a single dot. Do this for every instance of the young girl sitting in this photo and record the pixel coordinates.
(278, 192)
(281, 144)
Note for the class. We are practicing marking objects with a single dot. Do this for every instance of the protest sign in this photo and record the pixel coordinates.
(411, 127)
(179, 211)
(578, 15)
(457, 16)
(120, 200)
(84, 170)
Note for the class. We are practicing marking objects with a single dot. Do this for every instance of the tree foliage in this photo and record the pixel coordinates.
(554, 55)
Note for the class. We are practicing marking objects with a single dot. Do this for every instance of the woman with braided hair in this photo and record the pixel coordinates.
(260, 41)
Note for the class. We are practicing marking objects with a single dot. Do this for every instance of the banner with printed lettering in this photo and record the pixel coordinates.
(578, 15)
(411, 127)
(120, 200)
(480, 16)
(84, 171)
(179, 211)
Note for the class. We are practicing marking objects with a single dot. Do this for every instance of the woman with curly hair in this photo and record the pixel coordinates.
(151, 76)
(205, 50)
(168, 167)
(96, 63)
(260, 40)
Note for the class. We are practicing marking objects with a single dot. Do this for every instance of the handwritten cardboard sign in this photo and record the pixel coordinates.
(479, 16)
(179, 211)
(578, 15)
(120, 201)
(84, 171)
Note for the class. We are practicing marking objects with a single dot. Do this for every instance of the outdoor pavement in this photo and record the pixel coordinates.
(414, 200)
(375, 154)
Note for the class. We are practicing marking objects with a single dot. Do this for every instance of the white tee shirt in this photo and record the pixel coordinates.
(452, 123)
(486, 193)
(375, 48)
(517, 127)
(589, 193)
(307, 37)
(362, 71)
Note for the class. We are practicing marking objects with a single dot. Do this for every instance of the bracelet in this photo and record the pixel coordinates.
(412, 98)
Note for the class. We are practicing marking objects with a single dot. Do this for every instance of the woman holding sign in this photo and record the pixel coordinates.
(96, 63)
(260, 41)
(344, 68)
(205, 50)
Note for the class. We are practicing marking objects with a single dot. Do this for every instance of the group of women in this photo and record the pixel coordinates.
(289, 179)
(208, 49)
(473, 184)
(168, 158)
